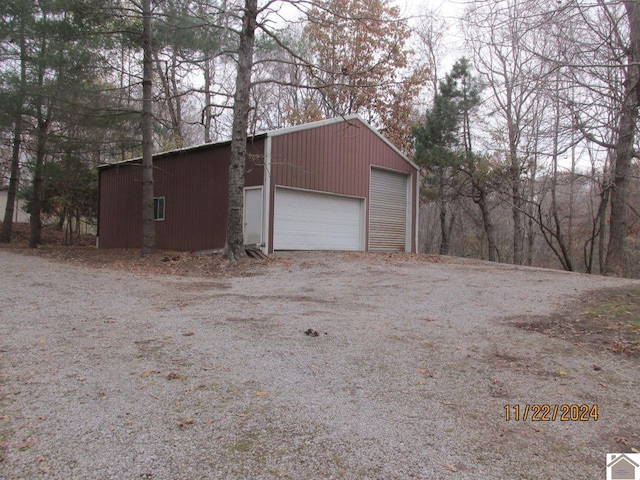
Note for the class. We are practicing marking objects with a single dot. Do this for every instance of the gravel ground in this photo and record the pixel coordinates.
(106, 374)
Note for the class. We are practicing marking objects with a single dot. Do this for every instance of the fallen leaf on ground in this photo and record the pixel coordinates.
(622, 440)
(24, 445)
(189, 333)
(186, 421)
(260, 394)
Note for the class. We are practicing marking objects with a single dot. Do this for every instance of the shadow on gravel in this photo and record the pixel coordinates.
(604, 320)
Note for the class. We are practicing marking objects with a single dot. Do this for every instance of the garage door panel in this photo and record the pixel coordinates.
(306, 220)
(387, 211)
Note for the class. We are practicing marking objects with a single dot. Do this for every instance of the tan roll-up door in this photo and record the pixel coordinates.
(388, 211)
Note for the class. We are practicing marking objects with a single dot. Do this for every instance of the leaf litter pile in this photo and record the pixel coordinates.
(84, 252)
(605, 320)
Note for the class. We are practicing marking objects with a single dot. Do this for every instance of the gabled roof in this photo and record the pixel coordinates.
(351, 119)
(622, 457)
(348, 119)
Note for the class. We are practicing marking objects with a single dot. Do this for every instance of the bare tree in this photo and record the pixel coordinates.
(496, 32)
(624, 148)
(148, 221)
(17, 114)
(234, 247)
(602, 58)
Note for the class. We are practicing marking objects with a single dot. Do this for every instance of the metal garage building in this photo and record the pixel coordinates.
(330, 185)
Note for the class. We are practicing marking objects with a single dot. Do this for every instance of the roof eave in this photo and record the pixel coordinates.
(194, 148)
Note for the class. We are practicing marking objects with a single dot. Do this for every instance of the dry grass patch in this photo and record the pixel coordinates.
(606, 319)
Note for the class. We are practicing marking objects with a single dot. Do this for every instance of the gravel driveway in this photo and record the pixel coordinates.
(109, 374)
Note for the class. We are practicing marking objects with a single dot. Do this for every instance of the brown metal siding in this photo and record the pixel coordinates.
(194, 184)
(334, 158)
(120, 223)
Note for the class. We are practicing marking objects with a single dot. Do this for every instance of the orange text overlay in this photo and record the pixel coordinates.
(550, 413)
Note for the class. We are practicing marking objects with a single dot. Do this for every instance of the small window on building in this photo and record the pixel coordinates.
(158, 208)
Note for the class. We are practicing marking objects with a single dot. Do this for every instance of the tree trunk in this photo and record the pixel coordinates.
(565, 257)
(531, 232)
(602, 235)
(173, 101)
(36, 193)
(513, 132)
(572, 189)
(598, 229)
(14, 179)
(234, 248)
(43, 121)
(206, 113)
(615, 263)
(148, 222)
(516, 199)
(444, 231)
(7, 224)
(481, 201)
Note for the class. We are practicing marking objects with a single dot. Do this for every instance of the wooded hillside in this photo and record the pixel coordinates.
(528, 142)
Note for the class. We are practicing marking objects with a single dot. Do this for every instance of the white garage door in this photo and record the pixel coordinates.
(387, 211)
(252, 215)
(306, 220)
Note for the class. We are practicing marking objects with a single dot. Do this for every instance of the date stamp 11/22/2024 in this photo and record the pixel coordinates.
(551, 413)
